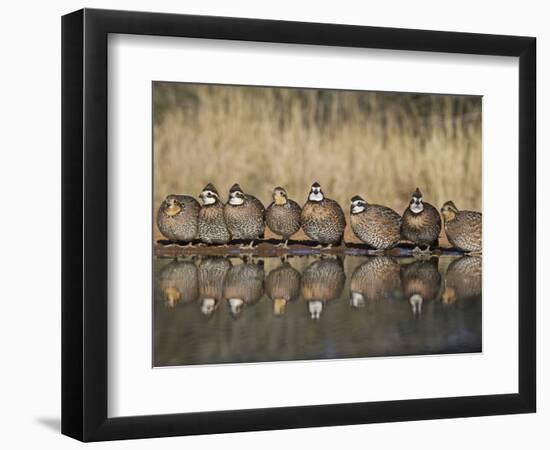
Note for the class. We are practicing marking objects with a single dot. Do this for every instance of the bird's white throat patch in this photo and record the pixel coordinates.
(417, 207)
(235, 201)
(208, 199)
(316, 196)
(356, 209)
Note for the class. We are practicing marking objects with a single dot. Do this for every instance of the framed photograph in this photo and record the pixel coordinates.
(273, 224)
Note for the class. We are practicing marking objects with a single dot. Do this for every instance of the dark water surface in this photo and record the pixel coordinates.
(210, 310)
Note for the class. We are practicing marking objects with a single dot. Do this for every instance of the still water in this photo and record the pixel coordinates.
(211, 310)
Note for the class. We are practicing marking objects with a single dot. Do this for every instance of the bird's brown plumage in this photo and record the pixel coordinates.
(463, 228)
(323, 221)
(421, 228)
(182, 225)
(212, 226)
(245, 221)
(377, 226)
(283, 219)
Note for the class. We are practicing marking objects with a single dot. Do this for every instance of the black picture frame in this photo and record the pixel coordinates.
(84, 224)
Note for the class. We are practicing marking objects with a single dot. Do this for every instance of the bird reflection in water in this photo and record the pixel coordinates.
(282, 285)
(250, 328)
(212, 273)
(462, 279)
(378, 278)
(421, 282)
(322, 281)
(243, 286)
(179, 283)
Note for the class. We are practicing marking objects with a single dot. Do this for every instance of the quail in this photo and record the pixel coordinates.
(283, 215)
(178, 282)
(463, 228)
(375, 225)
(282, 285)
(322, 218)
(421, 222)
(377, 278)
(322, 281)
(212, 227)
(178, 217)
(244, 216)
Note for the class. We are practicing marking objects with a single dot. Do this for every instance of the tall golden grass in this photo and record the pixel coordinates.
(378, 145)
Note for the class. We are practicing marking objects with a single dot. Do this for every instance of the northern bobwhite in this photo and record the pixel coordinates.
(178, 218)
(283, 215)
(375, 225)
(212, 226)
(322, 218)
(421, 222)
(244, 216)
(463, 228)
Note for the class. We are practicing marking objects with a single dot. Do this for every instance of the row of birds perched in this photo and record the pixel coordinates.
(181, 218)
(215, 280)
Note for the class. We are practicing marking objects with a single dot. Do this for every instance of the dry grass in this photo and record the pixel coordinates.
(377, 145)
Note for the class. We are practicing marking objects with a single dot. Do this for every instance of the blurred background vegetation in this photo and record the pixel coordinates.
(378, 145)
